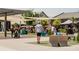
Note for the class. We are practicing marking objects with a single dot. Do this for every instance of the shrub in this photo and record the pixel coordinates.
(49, 32)
(62, 30)
(57, 22)
(16, 25)
(78, 37)
(44, 22)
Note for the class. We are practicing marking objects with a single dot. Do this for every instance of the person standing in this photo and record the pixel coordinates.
(39, 29)
(12, 31)
(53, 29)
(18, 31)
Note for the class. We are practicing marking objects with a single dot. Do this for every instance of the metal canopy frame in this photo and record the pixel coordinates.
(7, 12)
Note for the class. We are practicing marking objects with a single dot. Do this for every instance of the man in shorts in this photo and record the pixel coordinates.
(39, 29)
(53, 29)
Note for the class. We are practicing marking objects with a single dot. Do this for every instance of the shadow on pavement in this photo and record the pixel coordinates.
(43, 43)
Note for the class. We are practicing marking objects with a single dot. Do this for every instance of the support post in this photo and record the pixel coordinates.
(5, 30)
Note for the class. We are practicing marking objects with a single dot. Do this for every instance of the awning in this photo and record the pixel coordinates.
(67, 22)
(39, 18)
(8, 12)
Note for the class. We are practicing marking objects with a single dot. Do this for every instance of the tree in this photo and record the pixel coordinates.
(35, 14)
(44, 22)
(16, 25)
(57, 22)
(73, 19)
(28, 13)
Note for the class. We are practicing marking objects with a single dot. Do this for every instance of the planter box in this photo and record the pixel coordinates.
(57, 41)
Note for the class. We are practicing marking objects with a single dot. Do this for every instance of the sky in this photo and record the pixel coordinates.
(51, 12)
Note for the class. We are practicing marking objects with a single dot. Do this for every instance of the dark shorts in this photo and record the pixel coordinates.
(38, 34)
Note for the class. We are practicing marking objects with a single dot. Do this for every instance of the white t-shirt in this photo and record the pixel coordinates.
(39, 28)
(53, 29)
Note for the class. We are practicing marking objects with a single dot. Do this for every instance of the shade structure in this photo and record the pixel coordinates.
(39, 18)
(7, 12)
(44, 18)
(14, 19)
(10, 11)
(67, 22)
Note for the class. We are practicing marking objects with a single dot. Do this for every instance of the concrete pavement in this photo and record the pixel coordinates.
(23, 44)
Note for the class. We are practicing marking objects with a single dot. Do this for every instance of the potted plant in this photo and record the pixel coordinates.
(53, 39)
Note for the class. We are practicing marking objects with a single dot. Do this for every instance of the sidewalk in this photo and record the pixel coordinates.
(5, 49)
(23, 44)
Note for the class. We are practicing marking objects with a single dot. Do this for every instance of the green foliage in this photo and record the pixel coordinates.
(49, 32)
(73, 18)
(44, 22)
(35, 14)
(78, 37)
(62, 30)
(33, 22)
(57, 22)
(52, 22)
(28, 13)
(16, 24)
(29, 22)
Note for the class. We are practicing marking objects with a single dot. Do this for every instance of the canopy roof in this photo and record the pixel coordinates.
(39, 18)
(67, 22)
(10, 12)
(67, 15)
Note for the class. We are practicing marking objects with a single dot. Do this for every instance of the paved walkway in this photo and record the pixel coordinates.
(23, 44)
